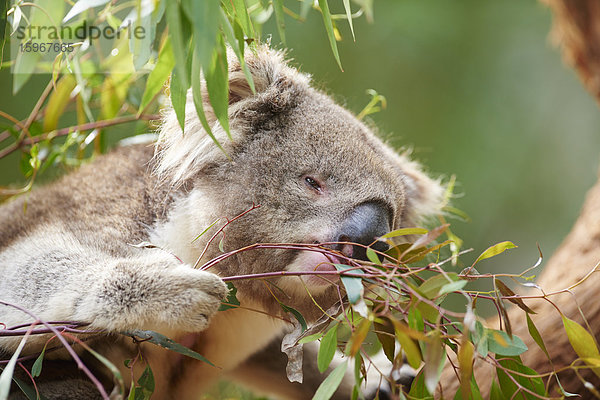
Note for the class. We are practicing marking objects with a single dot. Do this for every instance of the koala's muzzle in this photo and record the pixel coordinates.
(364, 225)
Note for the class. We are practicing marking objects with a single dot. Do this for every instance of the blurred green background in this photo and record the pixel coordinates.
(476, 88)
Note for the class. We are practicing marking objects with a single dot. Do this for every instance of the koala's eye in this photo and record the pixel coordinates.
(313, 183)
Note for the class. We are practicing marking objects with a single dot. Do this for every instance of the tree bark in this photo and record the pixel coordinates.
(577, 31)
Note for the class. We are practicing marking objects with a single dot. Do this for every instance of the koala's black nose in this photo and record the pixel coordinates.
(367, 222)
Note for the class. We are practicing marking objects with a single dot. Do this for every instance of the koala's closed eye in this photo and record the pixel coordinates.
(314, 184)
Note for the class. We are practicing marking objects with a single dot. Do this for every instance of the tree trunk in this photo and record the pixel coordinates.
(577, 30)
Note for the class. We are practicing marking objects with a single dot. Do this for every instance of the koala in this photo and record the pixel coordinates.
(114, 244)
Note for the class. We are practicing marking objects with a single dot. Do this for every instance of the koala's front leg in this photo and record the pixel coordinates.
(152, 292)
(150, 289)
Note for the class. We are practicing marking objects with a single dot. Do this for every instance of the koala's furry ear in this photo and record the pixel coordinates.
(180, 155)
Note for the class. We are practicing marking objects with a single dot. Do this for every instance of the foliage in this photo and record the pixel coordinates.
(96, 84)
(397, 296)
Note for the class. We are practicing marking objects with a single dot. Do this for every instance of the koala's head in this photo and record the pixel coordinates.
(318, 173)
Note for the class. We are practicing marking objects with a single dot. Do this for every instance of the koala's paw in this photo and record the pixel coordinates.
(152, 296)
(195, 296)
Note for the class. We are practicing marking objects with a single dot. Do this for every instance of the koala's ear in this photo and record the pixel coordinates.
(277, 85)
(179, 155)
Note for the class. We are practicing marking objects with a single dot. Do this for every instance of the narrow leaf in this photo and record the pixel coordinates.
(412, 351)
(354, 286)
(500, 343)
(506, 291)
(349, 17)
(198, 102)
(327, 349)
(329, 28)
(358, 337)
(331, 383)
(174, 21)
(494, 250)
(241, 12)
(58, 101)
(36, 369)
(372, 256)
(535, 334)
(385, 334)
(178, 98)
(278, 7)
(159, 75)
(582, 341)
(404, 232)
(434, 358)
(465, 365)
(296, 315)
(163, 341)
(82, 5)
(9, 369)
(217, 84)
(231, 301)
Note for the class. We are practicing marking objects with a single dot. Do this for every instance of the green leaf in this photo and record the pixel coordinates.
(495, 392)
(81, 6)
(36, 369)
(582, 341)
(159, 75)
(278, 7)
(505, 290)
(327, 349)
(28, 390)
(197, 95)
(434, 358)
(418, 390)
(241, 11)
(354, 286)
(9, 369)
(179, 46)
(58, 101)
(296, 315)
(404, 232)
(480, 339)
(331, 383)
(508, 387)
(45, 14)
(500, 343)
(431, 287)
(494, 250)
(535, 334)
(329, 28)
(231, 301)
(465, 366)
(452, 287)
(204, 17)
(178, 98)
(474, 393)
(410, 348)
(217, 85)
(113, 369)
(145, 385)
(385, 334)
(235, 37)
(349, 17)
(358, 337)
(163, 341)
(372, 256)
(415, 320)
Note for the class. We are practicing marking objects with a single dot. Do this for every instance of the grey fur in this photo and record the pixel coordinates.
(70, 255)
